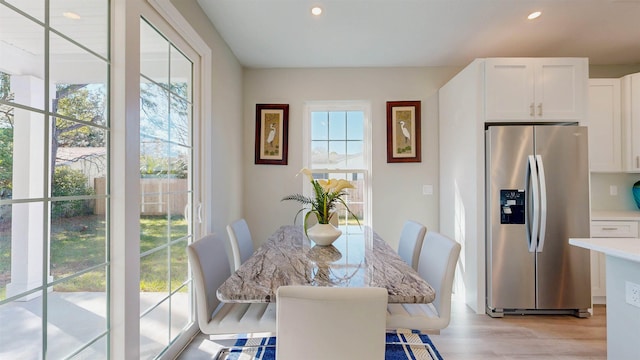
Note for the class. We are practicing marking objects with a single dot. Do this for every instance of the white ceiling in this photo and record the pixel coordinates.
(363, 33)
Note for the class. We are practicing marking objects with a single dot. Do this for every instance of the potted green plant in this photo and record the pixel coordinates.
(327, 194)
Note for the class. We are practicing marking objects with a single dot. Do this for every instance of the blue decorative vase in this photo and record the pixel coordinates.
(636, 193)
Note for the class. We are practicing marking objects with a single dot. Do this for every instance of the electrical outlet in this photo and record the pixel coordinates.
(632, 293)
(613, 190)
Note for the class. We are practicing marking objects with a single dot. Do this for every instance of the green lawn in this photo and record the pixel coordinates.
(78, 243)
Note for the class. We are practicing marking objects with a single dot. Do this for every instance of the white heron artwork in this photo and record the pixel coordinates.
(272, 134)
(405, 132)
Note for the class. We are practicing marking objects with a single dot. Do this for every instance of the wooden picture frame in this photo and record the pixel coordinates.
(272, 134)
(403, 131)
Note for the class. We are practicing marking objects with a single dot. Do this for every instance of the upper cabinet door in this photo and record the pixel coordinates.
(605, 136)
(631, 122)
(536, 89)
(509, 89)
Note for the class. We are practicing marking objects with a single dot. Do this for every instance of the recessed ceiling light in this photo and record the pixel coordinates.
(316, 10)
(534, 15)
(71, 15)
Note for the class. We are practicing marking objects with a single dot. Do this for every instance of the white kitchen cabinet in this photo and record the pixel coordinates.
(606, 229)
(631, 122)
(536, 89)
(605, 123)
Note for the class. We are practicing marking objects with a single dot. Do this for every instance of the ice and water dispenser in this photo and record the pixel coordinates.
(512, 204)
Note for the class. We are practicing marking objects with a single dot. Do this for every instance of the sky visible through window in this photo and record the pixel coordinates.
(337, 139)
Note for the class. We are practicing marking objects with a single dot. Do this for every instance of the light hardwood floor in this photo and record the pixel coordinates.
(473, 337)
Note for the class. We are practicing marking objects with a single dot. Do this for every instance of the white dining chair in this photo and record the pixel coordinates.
(210, 268)
(438, 259)
(319, 323)
(241, 242)
(410, 243)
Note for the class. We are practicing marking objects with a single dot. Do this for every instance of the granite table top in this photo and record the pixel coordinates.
(354, 260)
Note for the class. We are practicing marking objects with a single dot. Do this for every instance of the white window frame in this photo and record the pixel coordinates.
(355, 105)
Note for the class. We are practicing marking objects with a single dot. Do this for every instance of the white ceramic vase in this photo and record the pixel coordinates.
(323, 234)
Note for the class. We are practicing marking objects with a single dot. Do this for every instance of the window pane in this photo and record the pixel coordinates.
(22, 52)
(355, 155)
(22, 321)
(337, 125)
(355, 125)
(153, 159)
(153, 232)
(154, 330)
(86, 102)
(154, 55)
(72, 68)
(96, 351)
(177, 204)
(25, 144)
(154, 111)
(180, 310)
(21, 236)
(180, 74)
(319, 125)
(180, 114)
(337, 152)
(78, 242)
(92, 16)
(80, 158)
(34, 8)
(319, 154)
(179, 164)
(154, 274)
(179, 269)
(82, 297)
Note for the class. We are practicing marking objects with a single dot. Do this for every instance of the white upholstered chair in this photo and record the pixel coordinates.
(438, 259)
(210, 268)
(241, 242)
(319, 323)
(410, 243)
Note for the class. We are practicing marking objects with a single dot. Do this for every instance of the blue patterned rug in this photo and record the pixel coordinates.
(401, 345)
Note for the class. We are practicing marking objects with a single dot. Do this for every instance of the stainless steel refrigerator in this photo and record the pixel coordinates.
(537, 197)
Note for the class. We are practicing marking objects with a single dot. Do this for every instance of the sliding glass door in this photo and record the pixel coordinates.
(166, 158)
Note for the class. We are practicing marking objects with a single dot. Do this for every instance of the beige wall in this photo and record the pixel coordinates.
(397, 187)
(223, 171)
(612, 71)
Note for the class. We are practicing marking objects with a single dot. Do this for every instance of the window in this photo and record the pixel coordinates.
(338, 146)
(54, 155)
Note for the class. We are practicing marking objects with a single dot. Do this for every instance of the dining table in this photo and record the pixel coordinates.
(358, 258)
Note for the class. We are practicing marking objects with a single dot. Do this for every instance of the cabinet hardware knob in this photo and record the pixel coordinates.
(540, 109)
(531, 110)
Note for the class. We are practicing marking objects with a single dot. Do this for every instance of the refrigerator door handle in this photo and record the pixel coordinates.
(543, 203)
(532, 180)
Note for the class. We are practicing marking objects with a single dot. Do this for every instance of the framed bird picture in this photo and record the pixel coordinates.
(403, 131)
(272, 133)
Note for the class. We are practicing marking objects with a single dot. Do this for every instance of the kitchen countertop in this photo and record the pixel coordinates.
(624, 248)
(615, 215)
